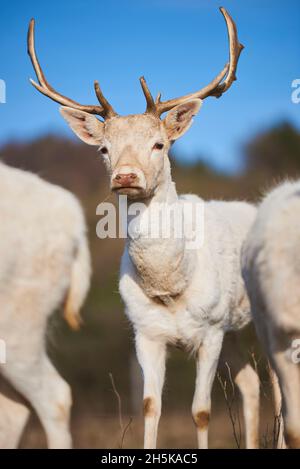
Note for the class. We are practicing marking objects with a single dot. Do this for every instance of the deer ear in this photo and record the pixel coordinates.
(87, 127)
(180, 118)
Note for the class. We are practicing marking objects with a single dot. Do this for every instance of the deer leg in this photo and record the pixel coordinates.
(206, 366)
(247, 381)
(152, 359)
(13, 418)
(277, 408)
(38, 381)
(289, 379)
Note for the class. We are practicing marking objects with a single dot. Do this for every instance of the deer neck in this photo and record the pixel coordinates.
(162, 263)
(165, 192)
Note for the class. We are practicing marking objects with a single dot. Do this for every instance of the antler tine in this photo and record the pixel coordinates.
(107, 107)
(46, 89)
(151, 107)
(34, 60)
(217, 86)
(235, 49)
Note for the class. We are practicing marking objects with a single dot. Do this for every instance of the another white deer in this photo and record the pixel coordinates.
(45, 263)
(172, 294)
(271, 268)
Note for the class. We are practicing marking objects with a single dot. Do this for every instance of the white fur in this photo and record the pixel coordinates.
(271, 268)
(178, 296)
(13, 418)
(173, 294)
(44, 255)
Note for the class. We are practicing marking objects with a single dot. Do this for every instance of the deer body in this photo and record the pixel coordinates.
(271, 270)
(172, 294)
(185, 297)
(199, 288)
(45, 264)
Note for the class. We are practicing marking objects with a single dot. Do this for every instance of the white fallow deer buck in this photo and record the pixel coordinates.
(172, 294)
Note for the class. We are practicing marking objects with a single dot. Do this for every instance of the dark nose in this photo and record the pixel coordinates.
(125, 180)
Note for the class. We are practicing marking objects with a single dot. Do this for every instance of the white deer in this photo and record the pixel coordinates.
(172, 294)
(271, 268)
(45, 264)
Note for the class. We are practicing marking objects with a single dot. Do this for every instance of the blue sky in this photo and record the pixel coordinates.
(179, 45)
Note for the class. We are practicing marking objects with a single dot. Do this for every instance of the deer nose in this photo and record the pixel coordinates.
(125, 180)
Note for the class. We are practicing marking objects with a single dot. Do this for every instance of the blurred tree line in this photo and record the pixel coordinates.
(105, 342)
(276, 153)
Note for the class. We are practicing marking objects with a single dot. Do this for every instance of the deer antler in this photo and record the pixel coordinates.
(105, 110)
(215, 88)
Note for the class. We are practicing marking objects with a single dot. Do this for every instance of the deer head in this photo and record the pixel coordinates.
(135, 147)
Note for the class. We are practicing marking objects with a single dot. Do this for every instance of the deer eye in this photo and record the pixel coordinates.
(104, 150)
(158, 146)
